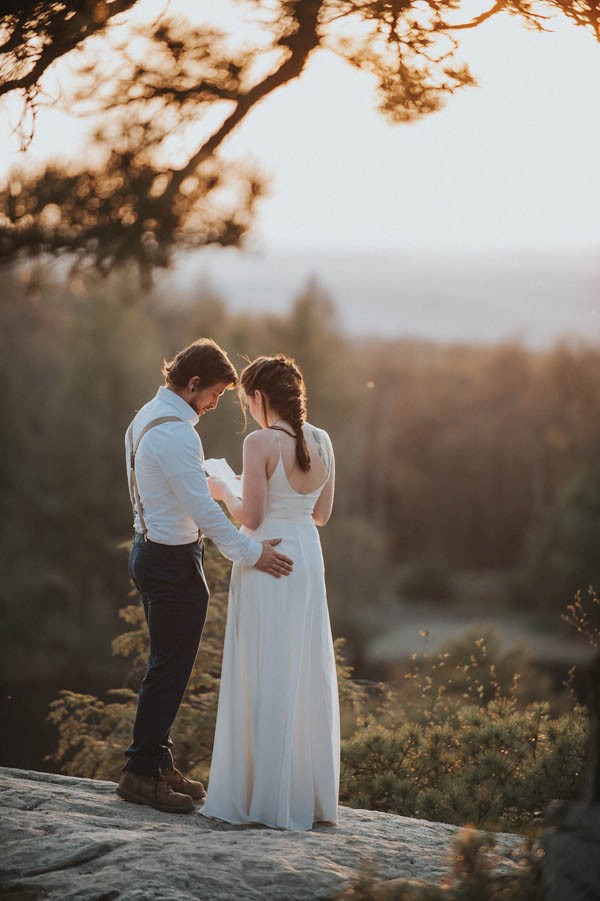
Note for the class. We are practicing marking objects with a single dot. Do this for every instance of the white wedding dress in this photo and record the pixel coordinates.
(277, 742)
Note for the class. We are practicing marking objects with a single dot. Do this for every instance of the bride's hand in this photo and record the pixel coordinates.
(217, 489)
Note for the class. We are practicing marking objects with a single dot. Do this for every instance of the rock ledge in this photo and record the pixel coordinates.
(75, 840)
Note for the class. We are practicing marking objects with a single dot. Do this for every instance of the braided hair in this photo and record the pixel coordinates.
(280, 382)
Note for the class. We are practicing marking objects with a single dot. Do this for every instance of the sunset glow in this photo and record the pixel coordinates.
(498, 167)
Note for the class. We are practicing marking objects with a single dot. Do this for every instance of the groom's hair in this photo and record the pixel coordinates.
(204, 359)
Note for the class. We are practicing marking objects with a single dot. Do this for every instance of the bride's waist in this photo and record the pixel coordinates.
(284, 525)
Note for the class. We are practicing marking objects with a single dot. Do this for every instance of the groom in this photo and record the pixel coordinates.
(173, 510)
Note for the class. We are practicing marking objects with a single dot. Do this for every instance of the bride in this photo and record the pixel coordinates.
(277, 742)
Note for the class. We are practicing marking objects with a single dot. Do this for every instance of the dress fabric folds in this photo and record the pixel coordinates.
(277, 741)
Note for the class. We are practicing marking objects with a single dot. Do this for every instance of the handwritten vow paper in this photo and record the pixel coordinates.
(220, 469)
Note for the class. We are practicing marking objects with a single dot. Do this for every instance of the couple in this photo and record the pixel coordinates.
(276, 751)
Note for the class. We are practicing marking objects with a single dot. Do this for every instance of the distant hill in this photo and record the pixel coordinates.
(535, 297)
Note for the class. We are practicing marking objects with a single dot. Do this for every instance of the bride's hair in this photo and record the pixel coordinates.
(280, 382)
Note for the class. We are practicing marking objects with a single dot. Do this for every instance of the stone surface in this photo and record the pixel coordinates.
(74, 839)
(571, 840)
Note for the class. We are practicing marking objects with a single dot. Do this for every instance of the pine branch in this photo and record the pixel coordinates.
(301, 43)
(64, 32)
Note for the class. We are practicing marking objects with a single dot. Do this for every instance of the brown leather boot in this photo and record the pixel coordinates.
(183, 785)
(155, 793)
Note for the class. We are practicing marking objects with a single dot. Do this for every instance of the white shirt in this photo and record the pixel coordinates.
(172, 483)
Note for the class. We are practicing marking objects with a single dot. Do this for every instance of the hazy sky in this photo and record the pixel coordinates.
(512, 163)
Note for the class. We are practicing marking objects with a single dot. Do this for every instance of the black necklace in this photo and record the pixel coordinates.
(280, 428)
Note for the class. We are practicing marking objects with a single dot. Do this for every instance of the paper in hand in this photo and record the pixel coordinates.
(220, 469)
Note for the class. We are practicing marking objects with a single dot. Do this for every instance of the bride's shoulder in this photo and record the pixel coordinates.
(259, 441)
(322, 441)
(317, 433)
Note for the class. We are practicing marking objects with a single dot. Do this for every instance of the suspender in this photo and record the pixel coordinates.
(134, 493)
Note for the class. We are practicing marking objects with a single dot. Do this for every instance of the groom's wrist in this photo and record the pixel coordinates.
(255, 553)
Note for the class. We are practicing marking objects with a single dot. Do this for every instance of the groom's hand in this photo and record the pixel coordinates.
(272, 562)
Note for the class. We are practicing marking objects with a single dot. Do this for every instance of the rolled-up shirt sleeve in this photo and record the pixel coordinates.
(178, 452)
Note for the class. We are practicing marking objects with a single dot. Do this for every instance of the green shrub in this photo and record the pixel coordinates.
(491, 765)
(461, 741)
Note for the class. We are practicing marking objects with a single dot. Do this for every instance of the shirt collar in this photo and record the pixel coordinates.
(182, 408)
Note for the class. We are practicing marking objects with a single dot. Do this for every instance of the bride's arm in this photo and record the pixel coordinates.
(250, 510)
(324, 505)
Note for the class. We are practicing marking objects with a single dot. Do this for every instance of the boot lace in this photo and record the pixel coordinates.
(179, 775)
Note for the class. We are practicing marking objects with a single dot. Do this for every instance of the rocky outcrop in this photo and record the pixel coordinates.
(571, 841)
(75, 840)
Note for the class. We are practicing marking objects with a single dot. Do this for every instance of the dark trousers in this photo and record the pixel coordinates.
(171, 582)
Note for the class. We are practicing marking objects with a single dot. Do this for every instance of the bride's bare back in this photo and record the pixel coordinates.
(319, 448)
